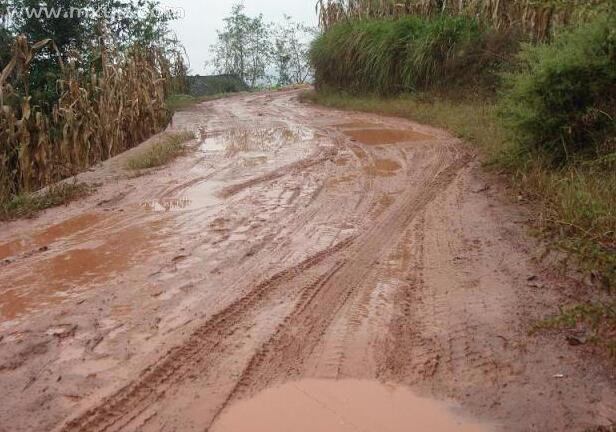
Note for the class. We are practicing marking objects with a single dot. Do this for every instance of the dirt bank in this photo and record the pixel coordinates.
(293, 243)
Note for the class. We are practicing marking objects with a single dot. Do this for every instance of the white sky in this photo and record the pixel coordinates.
(197, 30)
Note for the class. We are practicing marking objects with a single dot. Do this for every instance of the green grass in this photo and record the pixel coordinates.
(560, 97)
(599, 319)
(470, 118)
(388, 56)
(168, 147)
(29, 205)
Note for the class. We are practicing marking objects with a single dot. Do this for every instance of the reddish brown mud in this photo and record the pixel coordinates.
(298, 264)
(342, 406)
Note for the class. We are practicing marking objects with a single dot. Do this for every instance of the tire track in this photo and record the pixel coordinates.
(131, 400)
(284, 355)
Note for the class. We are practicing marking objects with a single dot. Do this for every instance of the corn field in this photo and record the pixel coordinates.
(536, 18)
(98, 114)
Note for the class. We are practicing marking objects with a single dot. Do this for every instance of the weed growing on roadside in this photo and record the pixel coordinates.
(29, 205)
(168, 147)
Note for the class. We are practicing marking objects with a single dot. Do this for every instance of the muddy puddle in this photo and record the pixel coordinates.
(257, 139)
(49, 235)
(386, 136)
(201, 195)
(342, 406)
(58, 276)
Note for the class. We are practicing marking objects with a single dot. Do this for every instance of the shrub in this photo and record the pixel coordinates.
(561, 99)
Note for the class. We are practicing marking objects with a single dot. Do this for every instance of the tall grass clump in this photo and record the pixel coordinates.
(30, 204)
(388, 56)
(168, 147)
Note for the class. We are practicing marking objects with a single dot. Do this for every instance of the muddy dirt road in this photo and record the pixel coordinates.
(293, 246)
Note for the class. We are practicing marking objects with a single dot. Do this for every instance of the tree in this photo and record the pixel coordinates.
(258, 52)
(291, 48)
(243, 47)
(81, 30)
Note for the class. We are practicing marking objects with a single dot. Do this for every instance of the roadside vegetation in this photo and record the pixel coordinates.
(536, 94)
(30, 204)
(167, 147)
(78, 89)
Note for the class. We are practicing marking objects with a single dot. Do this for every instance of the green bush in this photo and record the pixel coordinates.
(388, 56)
(562, 97)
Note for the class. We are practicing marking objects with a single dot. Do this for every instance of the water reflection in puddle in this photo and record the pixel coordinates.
(254, 139)
(356, 125)
(342, 406)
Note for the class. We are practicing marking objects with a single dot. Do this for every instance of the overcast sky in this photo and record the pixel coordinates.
(197, 30)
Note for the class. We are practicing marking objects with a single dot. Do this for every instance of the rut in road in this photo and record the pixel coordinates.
(122, 407)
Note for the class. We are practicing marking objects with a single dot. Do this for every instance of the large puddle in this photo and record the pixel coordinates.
(386, 136)
(342, 406)
(49, 235)
(56, 277)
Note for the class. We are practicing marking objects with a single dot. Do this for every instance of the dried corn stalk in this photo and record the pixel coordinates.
(98, 115)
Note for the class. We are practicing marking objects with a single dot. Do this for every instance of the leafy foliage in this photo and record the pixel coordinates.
(562, 98)
(80, 31)
(90, 88)
(243, 47)
(258, 52)
(291, 51)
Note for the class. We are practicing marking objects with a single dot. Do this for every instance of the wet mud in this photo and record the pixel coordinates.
(299, 268)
